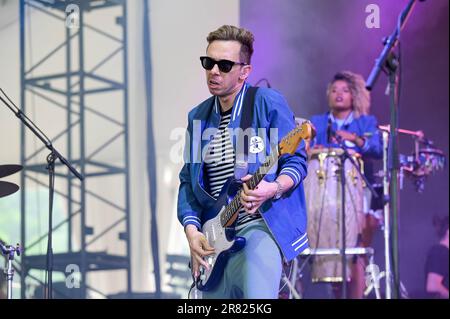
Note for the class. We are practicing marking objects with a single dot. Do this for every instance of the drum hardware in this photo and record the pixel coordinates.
(335, 165)
(290, 282)
(361, 165)
(423, 161)
(296, 272)
(331, 152)
(419, 165)
(345, 156)
(9, 251)
(6, 170)
(353, 175)
(416, 166)
(7, 188)
(321, 171)
(418, 134)
(51, 159)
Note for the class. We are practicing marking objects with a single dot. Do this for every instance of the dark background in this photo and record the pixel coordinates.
(301, 44)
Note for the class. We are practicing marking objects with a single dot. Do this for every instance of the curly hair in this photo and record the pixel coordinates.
(357, 86)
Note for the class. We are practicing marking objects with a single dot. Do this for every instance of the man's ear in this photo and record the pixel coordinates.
(245, 72)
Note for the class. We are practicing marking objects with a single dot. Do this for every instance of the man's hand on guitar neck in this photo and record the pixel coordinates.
(199, 248)
(251, 200)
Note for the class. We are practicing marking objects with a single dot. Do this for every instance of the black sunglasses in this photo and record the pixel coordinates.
(224, 65)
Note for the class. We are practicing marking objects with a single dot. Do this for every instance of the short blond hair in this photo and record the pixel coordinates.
(232, 33)
(357, 86)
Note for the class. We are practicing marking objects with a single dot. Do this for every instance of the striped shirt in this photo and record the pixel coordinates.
(219, 161)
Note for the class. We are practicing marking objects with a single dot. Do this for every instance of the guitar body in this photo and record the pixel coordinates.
(221, 238)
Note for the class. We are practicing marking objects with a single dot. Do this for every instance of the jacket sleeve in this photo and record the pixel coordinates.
(282, 118)
(188, 208)
(373, 145)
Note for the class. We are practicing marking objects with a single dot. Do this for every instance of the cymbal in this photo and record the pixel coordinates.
(6, 170)
(7, 188)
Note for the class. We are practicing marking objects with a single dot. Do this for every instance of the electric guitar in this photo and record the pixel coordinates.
(218, 228)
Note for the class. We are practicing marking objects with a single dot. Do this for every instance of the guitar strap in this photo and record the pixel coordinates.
(248, 105)
(247, 112)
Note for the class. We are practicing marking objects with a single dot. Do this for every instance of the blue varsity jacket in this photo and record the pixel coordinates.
(272, 120)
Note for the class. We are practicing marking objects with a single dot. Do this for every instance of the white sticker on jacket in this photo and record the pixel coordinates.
(256, 145)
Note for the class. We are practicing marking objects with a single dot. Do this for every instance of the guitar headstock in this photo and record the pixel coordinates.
(290, 142)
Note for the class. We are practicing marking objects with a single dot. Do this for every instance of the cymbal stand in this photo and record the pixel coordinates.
(8, 251)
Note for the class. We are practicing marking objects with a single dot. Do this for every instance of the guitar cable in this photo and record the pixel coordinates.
(194, 282)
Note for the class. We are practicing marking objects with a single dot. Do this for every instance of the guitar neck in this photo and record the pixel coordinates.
(233, 208)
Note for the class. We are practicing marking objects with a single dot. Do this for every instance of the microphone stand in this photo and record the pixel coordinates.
(388, 62)
(346, 155)
(51, 158)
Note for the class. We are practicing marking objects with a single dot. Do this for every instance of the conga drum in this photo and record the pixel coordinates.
(323, 198)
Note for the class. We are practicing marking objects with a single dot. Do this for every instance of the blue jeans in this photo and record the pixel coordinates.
(255, 271)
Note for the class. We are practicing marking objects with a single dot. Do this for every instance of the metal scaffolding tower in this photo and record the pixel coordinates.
(87, 109)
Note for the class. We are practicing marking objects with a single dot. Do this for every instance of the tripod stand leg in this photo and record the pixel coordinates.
(291, 282)
(376, 282)
(294, 278)
(293, 292)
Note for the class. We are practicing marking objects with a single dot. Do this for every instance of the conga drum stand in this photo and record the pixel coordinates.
(373, 275)
(345, 155)
(290, 282)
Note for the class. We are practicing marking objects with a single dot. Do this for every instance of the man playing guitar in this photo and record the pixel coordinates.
(268, 211)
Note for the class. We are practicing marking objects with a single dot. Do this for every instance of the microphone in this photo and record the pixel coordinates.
(329, 131)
